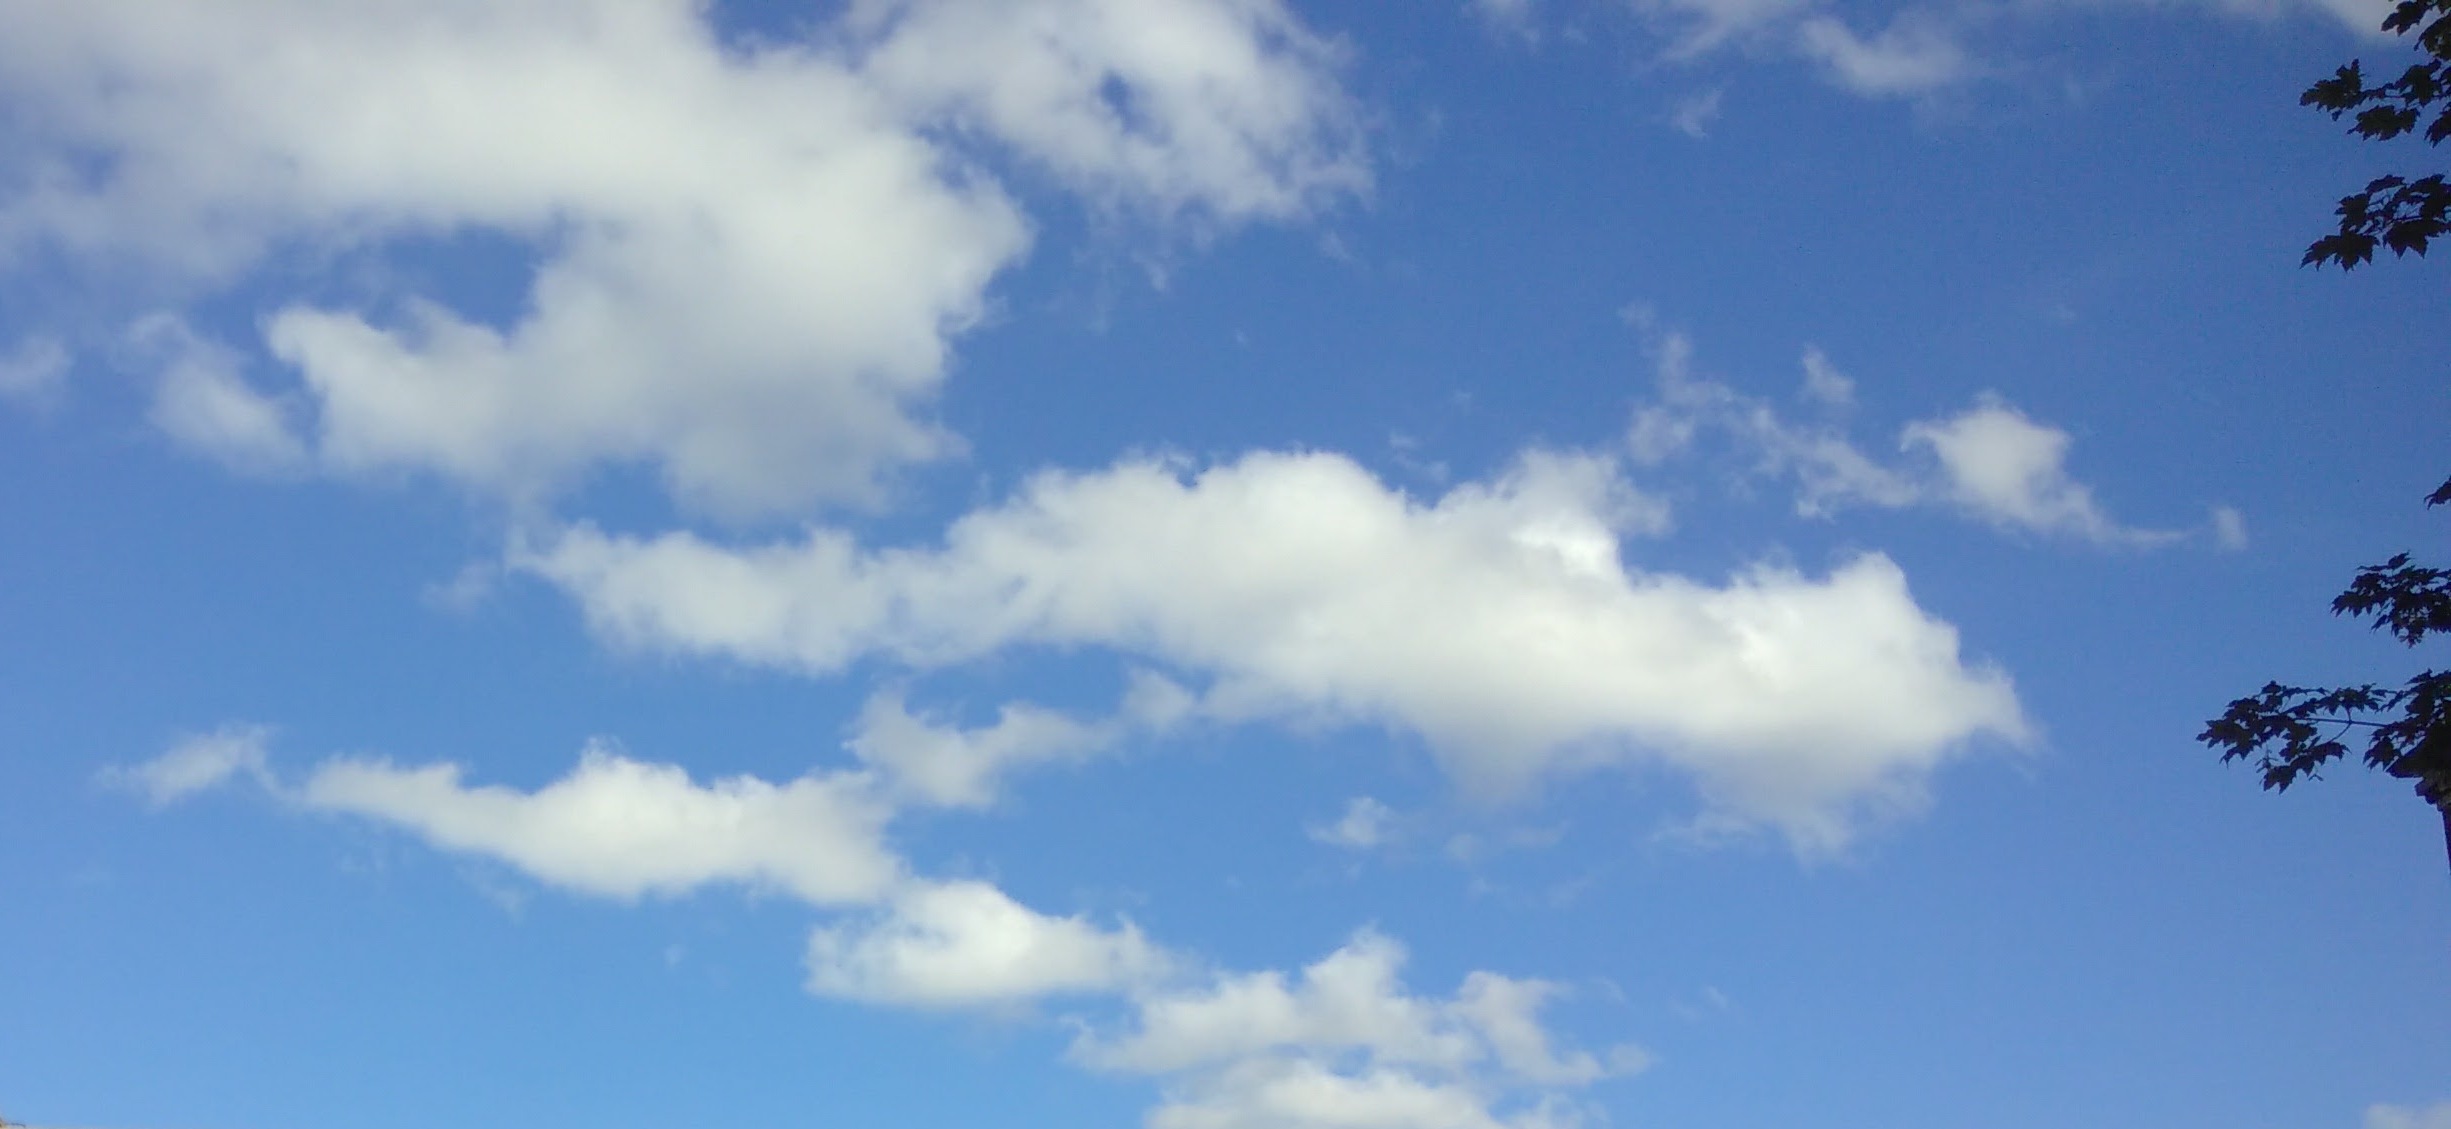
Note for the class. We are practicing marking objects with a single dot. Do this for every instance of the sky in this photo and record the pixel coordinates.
(1199, 564)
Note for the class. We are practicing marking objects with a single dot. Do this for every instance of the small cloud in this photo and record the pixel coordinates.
(1694, 115)
(1366, 824)
(2229, 528)
(1698, 26)
(465, 590)
(204, 404)
(1908, 57)
(1515, 19)
(196, 764)
(506, 896)
(1407, 453)
(967, 944)
(1626, 1059)
(1990, 461)
(34, 373)
(927, 760)
(625, 829)
(1707, 1004)
(2436, 1116)
(2011, 471)
(1829, 470)
(1823, 383)
(1344, 1042)
(1467, 847)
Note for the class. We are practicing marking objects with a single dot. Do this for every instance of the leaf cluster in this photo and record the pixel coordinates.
(2291, 732)
(2395, 212)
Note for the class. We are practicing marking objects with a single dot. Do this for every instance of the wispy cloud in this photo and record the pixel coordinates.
(1513, 19)
(35, 372)
(203, 403)
(195, 765)
(1909, 56)
(1694, 114)
(2381, 1116)
(929, 761)
(1366, 824)
(1990, 461)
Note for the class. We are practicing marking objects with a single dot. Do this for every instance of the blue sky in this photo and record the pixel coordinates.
(1208, 564)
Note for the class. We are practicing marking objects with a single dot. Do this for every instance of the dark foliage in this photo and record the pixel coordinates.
(2291, 732)
(2395, 212)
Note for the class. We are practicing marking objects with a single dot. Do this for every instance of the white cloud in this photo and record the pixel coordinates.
(2437, 1116)
(2365, 16)
(196, 764)
(201, 402)
(749, 263)
(1921, 49)
(1517, 19)
(621, 828)
(1344, 1044)
(1367, 823)
(1830, 471)
(935, 763)
(1349, 1000)
(1268, 1093)
(2011, 471)
(1225, 107)
(34, 372)
(1909, 56)
(1503, 1011)
(1693, 115)
(1700, 25)
(1823, 383)
(1991, 460)
(2229, 528)
(1497, 622)
(1340, 1045)
(966, 944)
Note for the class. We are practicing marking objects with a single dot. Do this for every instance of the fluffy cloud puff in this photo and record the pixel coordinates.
(622, 828)
(1225, 109)
(2012, 471)
(748, 261)
(967, 944)
(1342, 1043)
(1497, 622)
